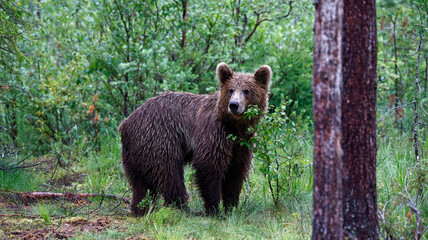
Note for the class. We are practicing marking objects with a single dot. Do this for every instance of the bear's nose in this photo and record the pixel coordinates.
(233, 106)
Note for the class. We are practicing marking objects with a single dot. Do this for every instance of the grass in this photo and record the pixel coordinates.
(397, 171)
(20, 180)
(100, 171)
(170, 223)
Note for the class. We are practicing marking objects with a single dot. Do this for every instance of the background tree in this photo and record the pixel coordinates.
(359, 59)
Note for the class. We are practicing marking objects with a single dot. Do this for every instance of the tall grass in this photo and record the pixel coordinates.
(20, 180)
(400, 179)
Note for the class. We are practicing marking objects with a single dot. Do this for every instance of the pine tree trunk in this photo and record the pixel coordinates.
(359, 51)
(327, 80)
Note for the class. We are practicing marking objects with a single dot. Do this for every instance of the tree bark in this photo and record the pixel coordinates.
(359, 51)
(327, 80)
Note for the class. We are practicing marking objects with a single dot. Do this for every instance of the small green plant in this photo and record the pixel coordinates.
(45, 212)
(278, 151)
(146, 201)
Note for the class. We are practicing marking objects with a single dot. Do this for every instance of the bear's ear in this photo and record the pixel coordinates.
(224, 73)
(263, 75)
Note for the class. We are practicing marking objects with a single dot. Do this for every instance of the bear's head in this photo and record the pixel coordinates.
(239, 90)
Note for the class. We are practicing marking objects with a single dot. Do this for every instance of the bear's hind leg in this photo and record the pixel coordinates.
(142, 199)
(209, 187)
(173, 189)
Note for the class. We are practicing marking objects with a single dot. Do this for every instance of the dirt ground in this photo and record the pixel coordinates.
(19, 227)
(21, 221)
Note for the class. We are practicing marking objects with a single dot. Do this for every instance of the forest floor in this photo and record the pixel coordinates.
(24, 227)
(58, 218)
(23, 217)
(90, 220)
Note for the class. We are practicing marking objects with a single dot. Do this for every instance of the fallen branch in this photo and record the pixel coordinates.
(19, 215)
(29, 197)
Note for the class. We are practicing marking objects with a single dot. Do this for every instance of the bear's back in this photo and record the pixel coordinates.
(171, 115)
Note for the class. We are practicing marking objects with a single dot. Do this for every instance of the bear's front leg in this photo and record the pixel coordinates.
(209, 182)
(231, 188)
(235, 176)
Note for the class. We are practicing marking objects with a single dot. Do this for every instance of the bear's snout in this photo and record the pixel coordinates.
(237, 103)
(233, 106)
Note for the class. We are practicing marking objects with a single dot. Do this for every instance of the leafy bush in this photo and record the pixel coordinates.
(279, 146)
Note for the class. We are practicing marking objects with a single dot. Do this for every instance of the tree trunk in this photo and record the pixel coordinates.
(416, 101)
(359, 51)
(426, 73)
(11, 118)
(184, 30)
(394, 37)
(327, 207)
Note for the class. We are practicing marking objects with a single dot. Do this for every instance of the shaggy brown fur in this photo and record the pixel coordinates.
(175, 129)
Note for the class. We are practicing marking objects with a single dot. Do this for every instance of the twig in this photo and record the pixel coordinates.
(123, 196)
(99, 206)
(18, 164)
(392, 109)
(381, 216)
(420, 226)
(69, 214)
(259, 21)
(248, 188)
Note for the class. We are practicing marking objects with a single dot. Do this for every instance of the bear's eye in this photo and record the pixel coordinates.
(231, 91)
(246, 92)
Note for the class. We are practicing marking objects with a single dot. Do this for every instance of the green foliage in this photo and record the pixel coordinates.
(13, 26)
(128, 51)
(400, 28)
(279, 146)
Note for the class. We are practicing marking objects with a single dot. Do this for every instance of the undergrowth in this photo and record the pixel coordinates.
(261, 214)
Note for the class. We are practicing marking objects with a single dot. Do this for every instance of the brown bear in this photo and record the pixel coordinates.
(174, 129)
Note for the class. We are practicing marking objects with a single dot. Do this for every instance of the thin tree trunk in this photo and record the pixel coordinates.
(359, 119)
(415, 107)
(426, 73)
(397, 97)
(38, 13)
(11, 118)
(327, 207)
(184, 31)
